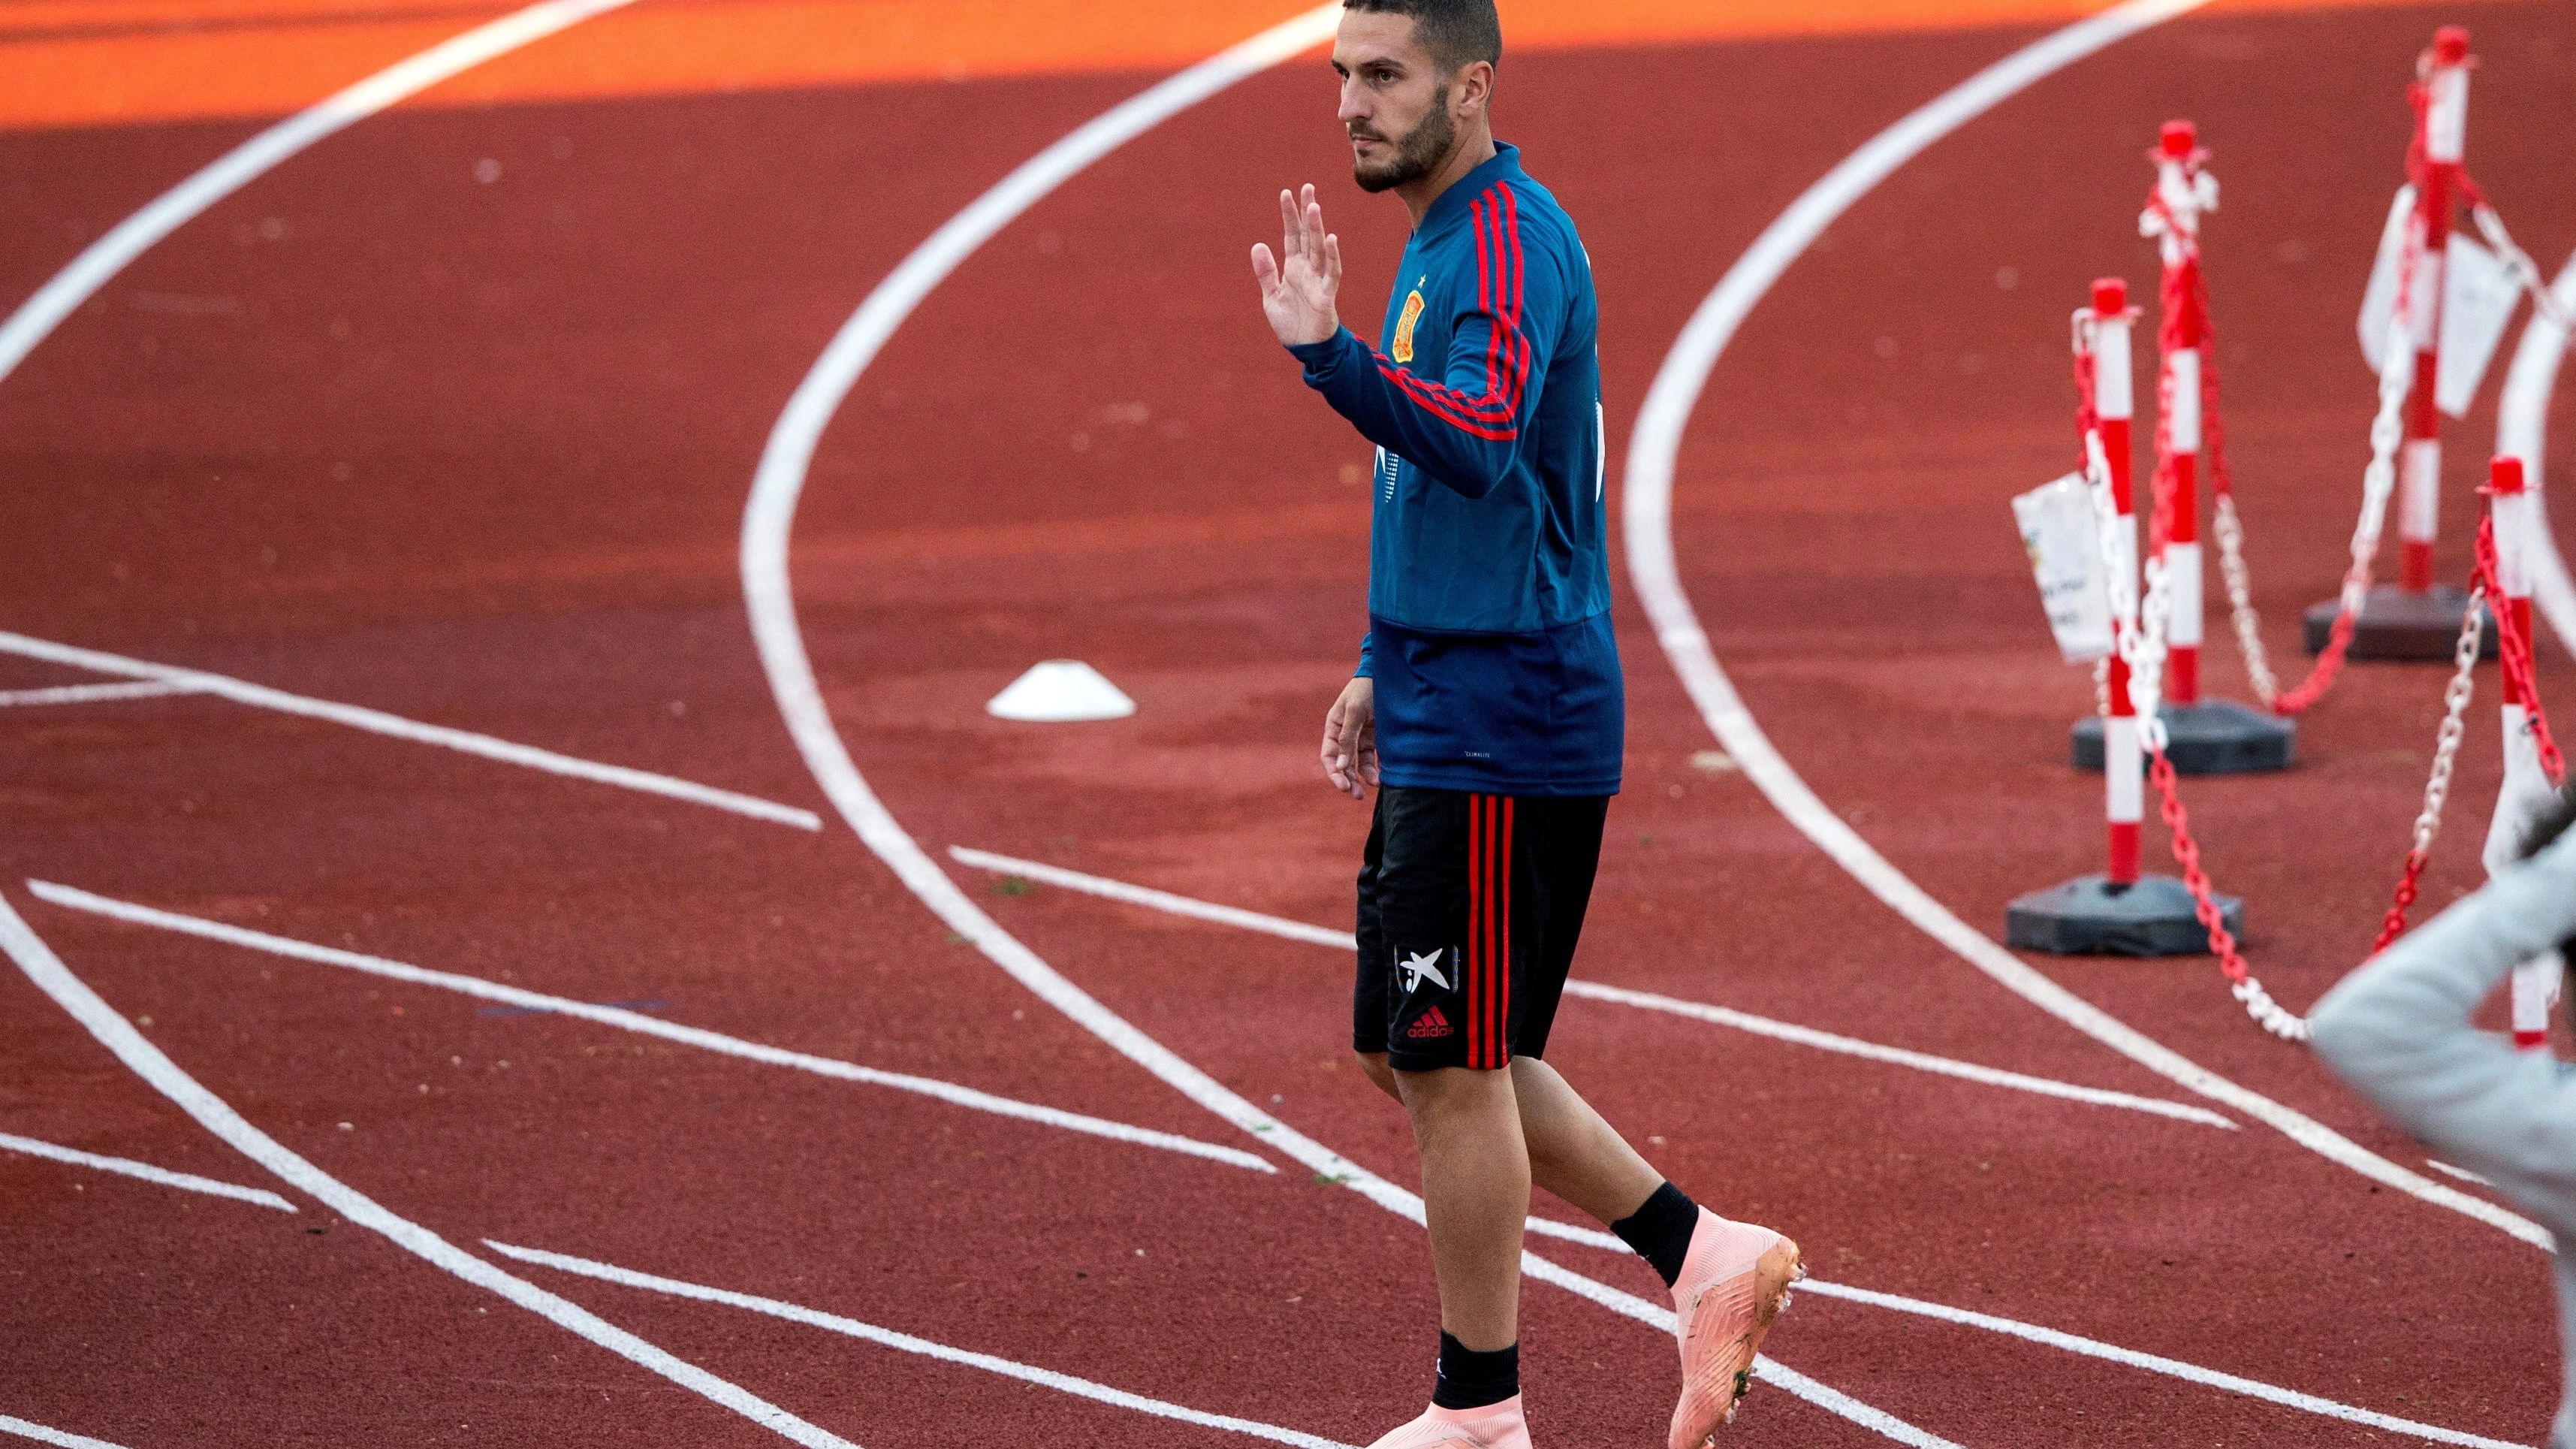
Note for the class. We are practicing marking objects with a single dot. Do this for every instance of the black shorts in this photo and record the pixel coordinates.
(1470, 906)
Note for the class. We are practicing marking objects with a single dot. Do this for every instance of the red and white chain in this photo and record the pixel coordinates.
(2240, 597)
(2378, 484)
(2446, 754)
(2515, 659)
(2140, 629)
(2517, 262)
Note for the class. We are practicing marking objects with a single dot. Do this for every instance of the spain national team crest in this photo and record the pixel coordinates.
(1403, 349)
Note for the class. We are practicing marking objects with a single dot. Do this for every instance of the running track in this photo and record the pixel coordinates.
(475, 453)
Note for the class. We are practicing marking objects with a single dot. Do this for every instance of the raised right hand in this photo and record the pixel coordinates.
(1299, 288)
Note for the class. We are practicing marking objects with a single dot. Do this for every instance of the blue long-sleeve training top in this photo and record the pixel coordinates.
(1489, 564)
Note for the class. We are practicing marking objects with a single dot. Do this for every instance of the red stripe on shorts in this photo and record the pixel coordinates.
(1472, 978)
(1503, 944)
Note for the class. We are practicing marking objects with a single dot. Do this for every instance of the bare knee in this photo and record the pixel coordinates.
(1374, 1065)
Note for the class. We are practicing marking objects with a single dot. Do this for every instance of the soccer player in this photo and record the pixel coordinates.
(2398, 1030)
(1488, 711)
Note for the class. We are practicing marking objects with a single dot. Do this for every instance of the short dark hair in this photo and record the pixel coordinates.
(2553, 823)
(1456, 32)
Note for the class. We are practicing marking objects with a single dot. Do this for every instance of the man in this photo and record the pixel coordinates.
(2398, 1030)
(1488, 710)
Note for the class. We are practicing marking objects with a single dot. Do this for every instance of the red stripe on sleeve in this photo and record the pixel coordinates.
(1489, 293)
(1518, 362)
(1436, 399)
(1501, 292)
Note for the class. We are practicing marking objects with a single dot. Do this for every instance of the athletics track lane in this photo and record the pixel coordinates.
(554, 632)
(472, 592)
(893, 726)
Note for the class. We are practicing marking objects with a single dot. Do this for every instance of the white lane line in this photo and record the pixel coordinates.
(2522, 423)
(145, 1060)
(1898, 1056)
(1648, 498)
(1136, 895)
(2462, 1173)
(1716, 1015)
(638, 1022)
(2152, 1363)
(260, 696)
(906, 1343)
(43, 1435)
(88, 694)
(144, 1170)
(1589, 1237)
(2094, 1348)
(769, 518)
(99, 263)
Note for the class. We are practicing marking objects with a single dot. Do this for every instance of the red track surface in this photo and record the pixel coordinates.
(477, 454)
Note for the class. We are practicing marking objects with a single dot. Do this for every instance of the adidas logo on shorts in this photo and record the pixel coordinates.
(1431, 1024)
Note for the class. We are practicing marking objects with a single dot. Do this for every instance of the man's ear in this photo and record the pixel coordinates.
(1473, 90)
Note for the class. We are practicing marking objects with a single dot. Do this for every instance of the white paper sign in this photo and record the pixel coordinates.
(2065, 545)
(2379, 299)
(2478, 298)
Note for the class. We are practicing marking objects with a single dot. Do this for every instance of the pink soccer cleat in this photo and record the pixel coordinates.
(1735, 1281)
(1495, 1426)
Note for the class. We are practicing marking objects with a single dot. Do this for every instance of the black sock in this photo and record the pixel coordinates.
(1470, 1380)
(1661, 1230)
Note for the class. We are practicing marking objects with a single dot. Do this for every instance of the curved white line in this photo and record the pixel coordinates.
(769, 518)
(636, 1021)
(2109, 1352)
(127, 1167)
(376, 721)
(1648, 501)
(1119, 890)
(99, 263)
(2154, 1363)
(2522, 422)
(907, 1343)
(145, 1060)
(43, 1435)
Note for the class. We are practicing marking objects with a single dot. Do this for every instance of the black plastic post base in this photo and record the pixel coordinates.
(2395, 624)
(2091, 917)
(2214, 737)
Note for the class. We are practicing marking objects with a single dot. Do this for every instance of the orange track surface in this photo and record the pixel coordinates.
(67, 63)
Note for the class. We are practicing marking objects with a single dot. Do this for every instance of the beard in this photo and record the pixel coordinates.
(1417, 154)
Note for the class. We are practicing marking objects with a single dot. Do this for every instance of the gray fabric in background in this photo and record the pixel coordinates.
(2398, 1030)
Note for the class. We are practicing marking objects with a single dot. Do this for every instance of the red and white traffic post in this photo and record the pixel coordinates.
(2444, 141)
(2124, 758)
(2526, 781)
(2126, 911)
(2182, 193)
(2206, 736)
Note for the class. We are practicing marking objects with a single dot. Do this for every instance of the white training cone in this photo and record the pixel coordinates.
(1058, 691)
